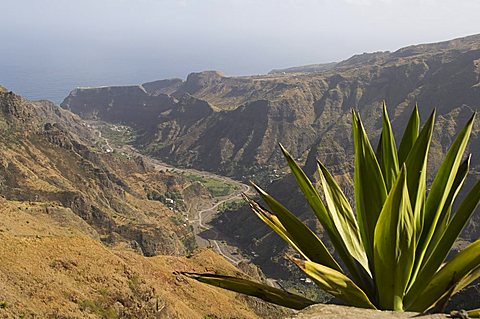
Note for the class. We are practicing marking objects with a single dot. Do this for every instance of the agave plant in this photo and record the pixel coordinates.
(393, 246)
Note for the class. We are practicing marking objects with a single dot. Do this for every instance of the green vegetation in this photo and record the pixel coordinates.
(394, 246)
(263, 174)
(3, 304)
(118, 135)
(231, 206)
(299, 285)
(172, 199)
(155, 195)
(99, 309)
(177, 220)
(135, 282)
(121, 155)
(217, 187)
(190, 243)
(101, 306)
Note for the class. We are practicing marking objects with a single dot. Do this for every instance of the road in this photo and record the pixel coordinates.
(235, 195)
(213, 210)
(220, 246)
(200, 221)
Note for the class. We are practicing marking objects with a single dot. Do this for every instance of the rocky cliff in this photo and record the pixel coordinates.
(232, 125)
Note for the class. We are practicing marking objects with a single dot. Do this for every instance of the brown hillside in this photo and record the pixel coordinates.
(76, 223)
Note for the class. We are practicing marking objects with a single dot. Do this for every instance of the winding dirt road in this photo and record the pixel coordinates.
(213, 210)
(221, 247)
(234, 196)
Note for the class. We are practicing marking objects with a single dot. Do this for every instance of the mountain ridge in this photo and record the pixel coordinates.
(301, 107)
(310, 115)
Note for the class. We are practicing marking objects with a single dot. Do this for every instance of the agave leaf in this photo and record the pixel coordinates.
(454, 272)
(387, 151)
(307, 242)
(455, 227)
(441, 304)
(350, 248)
(273, 222)
(474, 313)
(409, 136)
(369, 186)
(342, 216)
(467, 280)
(394, 246)
(251, 288)
(335, 283)
(444, 218)
(441, 187)
(311, 194)
(340, 224)
(416, 163)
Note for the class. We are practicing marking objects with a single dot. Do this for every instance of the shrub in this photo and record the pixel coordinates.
(394, 245)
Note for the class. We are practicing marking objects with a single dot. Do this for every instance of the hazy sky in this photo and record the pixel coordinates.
(151, 39)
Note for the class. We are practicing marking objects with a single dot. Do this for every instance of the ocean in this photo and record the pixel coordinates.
(54, 83)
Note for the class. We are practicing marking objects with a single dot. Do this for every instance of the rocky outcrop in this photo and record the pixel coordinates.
(201, 80)
(112, 103)
(311, 68)
(335, 311)
(159, 87)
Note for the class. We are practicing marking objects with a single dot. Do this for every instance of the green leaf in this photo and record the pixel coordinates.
(387, 152)
(273, 222)
(444, 218)
(416, 163)
(338, 221)
(335, 283)
(454, 228)
(311, 194)
(474, 313)
(342, 216)
(251, 288)
(448, 276)
(409, 136)
(369, 186)
(467, 279)
(394, 246)
(307, 242)
(347, 235)
(441, 187)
